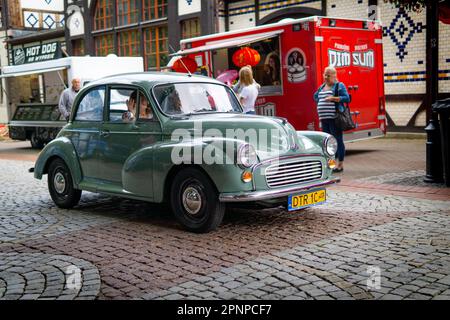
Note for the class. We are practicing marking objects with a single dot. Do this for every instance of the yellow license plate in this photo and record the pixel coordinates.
(303, 200)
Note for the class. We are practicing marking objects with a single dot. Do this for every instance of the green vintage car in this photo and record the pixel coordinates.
(183, 140)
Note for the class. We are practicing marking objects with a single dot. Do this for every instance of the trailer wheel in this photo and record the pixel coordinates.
(36, 142)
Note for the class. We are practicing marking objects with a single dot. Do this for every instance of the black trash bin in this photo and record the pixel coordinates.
(442, 108)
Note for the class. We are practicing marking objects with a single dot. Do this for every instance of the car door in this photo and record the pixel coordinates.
(122, 137)
(85, 129)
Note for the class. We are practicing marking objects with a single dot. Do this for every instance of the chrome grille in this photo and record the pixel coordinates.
(294, 172)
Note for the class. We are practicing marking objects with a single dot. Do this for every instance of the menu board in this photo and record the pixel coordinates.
(37, 112)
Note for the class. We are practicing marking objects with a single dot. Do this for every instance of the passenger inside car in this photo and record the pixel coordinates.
(145, 112)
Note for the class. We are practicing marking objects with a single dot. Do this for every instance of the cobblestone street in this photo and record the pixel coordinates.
(382, 219)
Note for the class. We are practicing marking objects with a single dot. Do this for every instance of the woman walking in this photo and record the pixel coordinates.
(327, 103)
(248, 90)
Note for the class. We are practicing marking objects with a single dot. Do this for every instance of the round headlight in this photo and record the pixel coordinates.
(246, 156)
(330, 146)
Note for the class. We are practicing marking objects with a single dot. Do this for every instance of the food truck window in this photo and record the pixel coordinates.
(267, 72)
(91, 105)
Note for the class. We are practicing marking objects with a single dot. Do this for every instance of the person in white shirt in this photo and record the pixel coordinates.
(249, 90)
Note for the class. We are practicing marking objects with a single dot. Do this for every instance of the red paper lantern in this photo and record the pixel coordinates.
(444, 13)
(189, 63)
(246, 56)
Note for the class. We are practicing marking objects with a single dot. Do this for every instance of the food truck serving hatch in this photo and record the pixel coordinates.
(229, 43)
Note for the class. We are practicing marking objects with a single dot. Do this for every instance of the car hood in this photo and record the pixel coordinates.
(270, 136)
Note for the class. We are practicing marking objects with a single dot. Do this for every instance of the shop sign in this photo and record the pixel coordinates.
(37, 53)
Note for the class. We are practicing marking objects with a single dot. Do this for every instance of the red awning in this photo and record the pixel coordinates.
(229, 43)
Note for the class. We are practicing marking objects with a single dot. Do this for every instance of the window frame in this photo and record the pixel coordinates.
(107, 20)
(139, 89)
(158, 52)
(80, 99)
(181, 116)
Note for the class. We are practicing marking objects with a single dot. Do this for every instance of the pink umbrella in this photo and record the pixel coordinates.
(228, 76)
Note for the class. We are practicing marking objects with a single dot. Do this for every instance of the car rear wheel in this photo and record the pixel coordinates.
(60, 185)
(194, 201)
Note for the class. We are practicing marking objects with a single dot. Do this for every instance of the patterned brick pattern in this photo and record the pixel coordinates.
(355, 9)
(37, 276)
(412, 255)
(379, 216)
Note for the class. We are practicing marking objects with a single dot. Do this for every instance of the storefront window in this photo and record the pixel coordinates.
(190, 28)
(155, 47)
(78, 47)
(104, 45)
(154, 9)
(103, 17)
(127, 12)
(129, 43)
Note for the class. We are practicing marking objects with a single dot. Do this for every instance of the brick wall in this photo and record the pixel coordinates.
(355, 9)
(444, 57)
(242, 13)
(269, 7)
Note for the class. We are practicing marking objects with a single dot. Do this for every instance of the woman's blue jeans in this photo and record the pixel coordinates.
(329, 126)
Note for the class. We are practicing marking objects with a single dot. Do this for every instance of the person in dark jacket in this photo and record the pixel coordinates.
(327, 103)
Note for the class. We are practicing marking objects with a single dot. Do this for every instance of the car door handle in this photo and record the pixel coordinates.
(104, 133)
(356, 87)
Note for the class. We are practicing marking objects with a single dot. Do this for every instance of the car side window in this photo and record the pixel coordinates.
(122, 105)
(91, 105)
(128, 104)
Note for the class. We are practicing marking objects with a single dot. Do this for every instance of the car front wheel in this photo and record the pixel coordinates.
(60, 185)
(195, 202)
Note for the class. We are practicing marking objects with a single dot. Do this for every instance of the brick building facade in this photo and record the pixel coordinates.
(151, 29)
(25, 24)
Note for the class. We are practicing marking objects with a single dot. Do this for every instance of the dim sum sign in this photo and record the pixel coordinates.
(341, 56)
(37, 53)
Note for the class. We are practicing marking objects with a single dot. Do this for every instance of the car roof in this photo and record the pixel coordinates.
(150, 79)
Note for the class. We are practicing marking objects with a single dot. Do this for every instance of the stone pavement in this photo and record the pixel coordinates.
(382, 234)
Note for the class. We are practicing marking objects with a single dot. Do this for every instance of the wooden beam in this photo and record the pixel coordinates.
(432, 52)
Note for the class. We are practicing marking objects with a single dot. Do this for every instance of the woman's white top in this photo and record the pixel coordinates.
(249, 95)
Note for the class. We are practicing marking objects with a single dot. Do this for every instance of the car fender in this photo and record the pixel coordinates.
(155, 163)
(63, 148)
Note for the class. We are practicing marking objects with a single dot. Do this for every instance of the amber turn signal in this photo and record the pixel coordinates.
(331, 163)
(247, 176)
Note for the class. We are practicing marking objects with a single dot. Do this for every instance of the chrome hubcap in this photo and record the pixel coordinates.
(59, 182)
(192, 201)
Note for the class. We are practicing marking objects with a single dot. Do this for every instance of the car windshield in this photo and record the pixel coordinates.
(192, 98)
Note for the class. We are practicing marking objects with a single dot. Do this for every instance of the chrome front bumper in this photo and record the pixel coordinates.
(272, 194)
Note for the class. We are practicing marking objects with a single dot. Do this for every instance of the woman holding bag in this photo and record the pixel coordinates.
(327, 103)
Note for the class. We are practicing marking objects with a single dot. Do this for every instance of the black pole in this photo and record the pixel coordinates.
(433, 145)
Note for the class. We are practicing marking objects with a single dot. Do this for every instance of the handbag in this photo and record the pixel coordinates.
(343, 120)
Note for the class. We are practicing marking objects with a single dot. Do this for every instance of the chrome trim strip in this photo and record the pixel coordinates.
(285, 178)
(272, 194)
(294, 169)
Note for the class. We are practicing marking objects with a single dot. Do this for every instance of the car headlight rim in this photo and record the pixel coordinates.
(330, 146)
(246, 156)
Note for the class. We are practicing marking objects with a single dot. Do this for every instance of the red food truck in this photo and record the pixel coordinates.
(291, 57)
